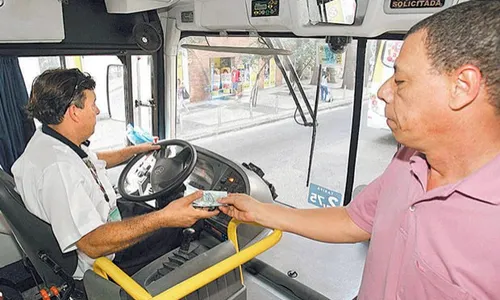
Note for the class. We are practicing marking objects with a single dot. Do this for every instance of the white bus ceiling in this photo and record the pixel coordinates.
(42, 21)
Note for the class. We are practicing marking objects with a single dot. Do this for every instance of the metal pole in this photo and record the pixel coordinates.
(159, 94)
(172, 37)
(356, 118)
(127, 85)
(139, 91)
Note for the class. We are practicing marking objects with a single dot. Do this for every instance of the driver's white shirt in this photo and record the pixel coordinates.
(57, 186)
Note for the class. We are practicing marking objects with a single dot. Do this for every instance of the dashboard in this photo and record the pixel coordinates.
(211, 173)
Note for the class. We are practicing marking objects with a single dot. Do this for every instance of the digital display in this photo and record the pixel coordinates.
(202, 176)
(265, 8)
(187, 17)
(260, 6)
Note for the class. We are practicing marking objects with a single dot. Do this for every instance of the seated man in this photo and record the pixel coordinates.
(65, 184)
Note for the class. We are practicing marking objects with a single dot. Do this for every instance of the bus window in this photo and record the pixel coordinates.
(110, 129)
(376, 145)
(34, 66)
(387, 52)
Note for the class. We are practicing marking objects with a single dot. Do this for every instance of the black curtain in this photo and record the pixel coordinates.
(15, 128)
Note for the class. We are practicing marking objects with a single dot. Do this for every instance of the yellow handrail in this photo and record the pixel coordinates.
(104, 267)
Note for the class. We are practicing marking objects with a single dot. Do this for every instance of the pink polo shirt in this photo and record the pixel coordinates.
(441, 244)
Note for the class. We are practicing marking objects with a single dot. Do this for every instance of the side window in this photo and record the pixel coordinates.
(31, 67)
(108, 73)
(109, 132)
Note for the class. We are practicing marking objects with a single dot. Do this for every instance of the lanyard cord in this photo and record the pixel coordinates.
(93, 171)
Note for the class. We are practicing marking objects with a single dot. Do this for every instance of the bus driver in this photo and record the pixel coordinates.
(64, 183)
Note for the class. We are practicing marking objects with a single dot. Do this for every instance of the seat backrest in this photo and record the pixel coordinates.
(33, 234)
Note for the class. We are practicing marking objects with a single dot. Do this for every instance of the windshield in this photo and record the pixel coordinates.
(240, 105)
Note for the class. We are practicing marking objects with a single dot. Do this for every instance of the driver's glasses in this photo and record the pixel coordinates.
(80, 78)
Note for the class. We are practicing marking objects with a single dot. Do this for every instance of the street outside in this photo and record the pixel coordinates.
(282, 148)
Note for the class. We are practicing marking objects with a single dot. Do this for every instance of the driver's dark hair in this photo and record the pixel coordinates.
(54, 91)
(466, 33)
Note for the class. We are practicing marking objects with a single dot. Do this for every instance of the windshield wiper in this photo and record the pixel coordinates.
(279, 63)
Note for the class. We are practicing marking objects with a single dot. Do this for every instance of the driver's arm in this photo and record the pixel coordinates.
(116, 157)
(113, 237)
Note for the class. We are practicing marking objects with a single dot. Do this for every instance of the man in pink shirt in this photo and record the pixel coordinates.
(433, 216)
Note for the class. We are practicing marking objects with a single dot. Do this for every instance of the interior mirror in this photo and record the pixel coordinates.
(332, 11)
(115, 92)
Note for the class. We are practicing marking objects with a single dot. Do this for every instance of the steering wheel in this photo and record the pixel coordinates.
(153, 174)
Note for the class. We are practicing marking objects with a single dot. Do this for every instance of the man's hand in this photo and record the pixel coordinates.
(145, 147)
(116, 157)
(241, 207)
(181, 213)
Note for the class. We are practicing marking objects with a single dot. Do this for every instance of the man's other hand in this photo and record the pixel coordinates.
(181, 213)
(241, 207)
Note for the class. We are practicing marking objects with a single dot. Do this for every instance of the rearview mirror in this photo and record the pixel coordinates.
(115, 92)
(332, 11)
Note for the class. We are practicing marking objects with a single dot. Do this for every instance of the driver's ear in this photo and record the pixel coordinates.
(73, 113)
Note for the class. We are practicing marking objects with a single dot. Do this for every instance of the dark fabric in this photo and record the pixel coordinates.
(16, 128)
(79, 292)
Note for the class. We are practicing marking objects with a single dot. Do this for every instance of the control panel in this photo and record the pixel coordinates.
(265, 8)
(217, 226)
(231, 182)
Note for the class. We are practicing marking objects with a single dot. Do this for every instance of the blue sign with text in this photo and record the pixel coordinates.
(323, 197)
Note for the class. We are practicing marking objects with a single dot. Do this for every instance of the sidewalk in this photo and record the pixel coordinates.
(214, 117)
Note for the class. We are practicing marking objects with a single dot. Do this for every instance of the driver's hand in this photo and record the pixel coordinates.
(145, 147)
(181, 213)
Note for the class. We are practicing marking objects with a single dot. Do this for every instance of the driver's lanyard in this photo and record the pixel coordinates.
(93, 171)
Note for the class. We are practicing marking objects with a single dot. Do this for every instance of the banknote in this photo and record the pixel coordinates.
(209, 199)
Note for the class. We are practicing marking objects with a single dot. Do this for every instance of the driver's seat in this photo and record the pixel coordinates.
(36, 239)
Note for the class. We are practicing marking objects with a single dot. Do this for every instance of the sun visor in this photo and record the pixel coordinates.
(27, 21)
